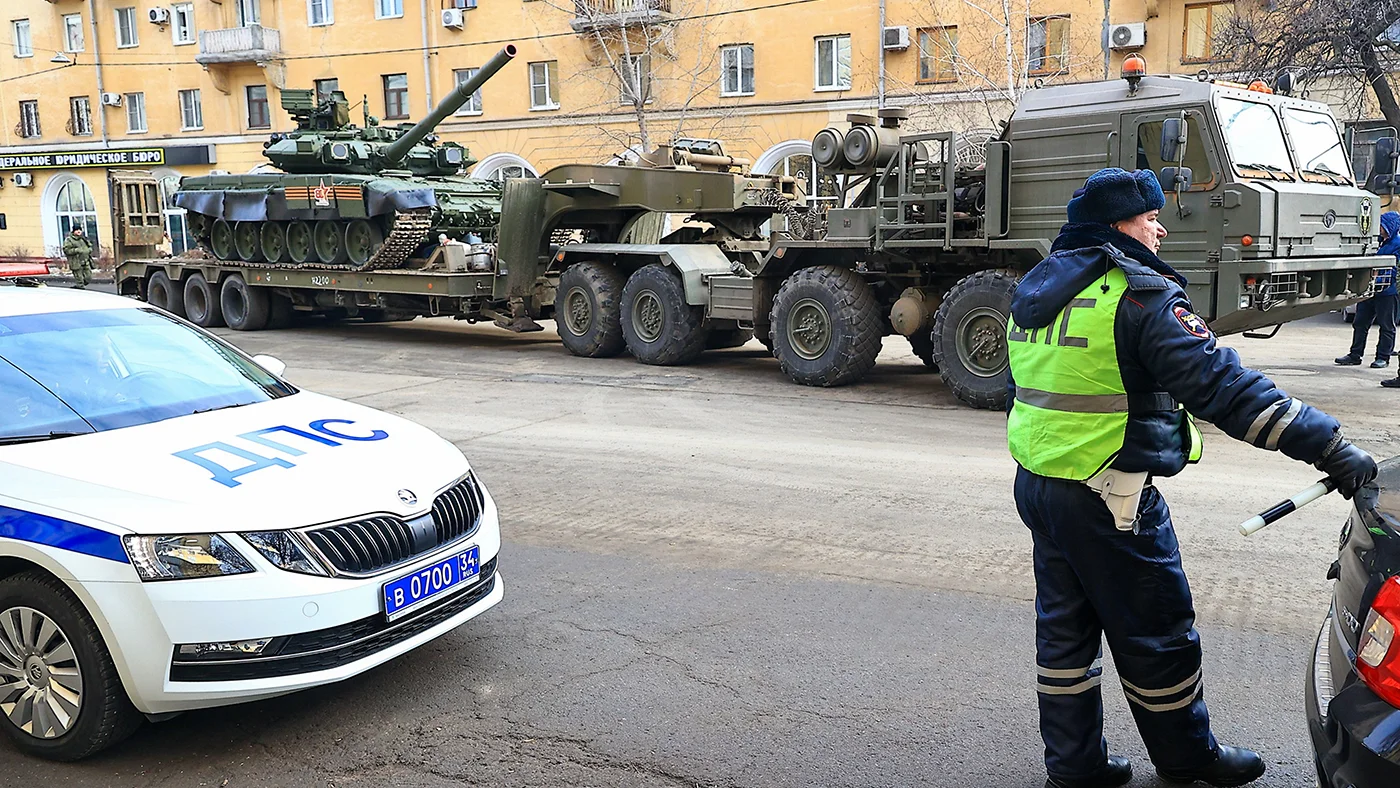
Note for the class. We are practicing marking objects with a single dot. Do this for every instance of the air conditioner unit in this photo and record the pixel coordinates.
(158, 16)
(1130, 36)
(895, 38)
(24, 180)
(111, 99)
(453, 18)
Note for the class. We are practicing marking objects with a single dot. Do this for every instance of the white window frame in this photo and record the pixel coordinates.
(839, 42)
(182, 33)
(384, 92)
(24, 42)
(633, 66)
(68, 30)
(80, 115)
(317, 86)
(473, 105)
(380, 5)
(738, 51)
(248, 106)
(327, 12)
(135, 105)
(550, 90)
(130, 13)
(195, 111)
(25, 116)
(247, 12)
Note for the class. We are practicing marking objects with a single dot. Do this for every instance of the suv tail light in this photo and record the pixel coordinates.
(1378, 655)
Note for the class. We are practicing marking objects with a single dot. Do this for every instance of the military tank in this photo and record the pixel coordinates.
(357, 197)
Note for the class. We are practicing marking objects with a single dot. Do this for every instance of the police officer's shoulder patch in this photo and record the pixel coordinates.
(1190, 321)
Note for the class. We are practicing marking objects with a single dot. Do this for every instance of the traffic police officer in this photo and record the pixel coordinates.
(1107, 362)
(78, 251)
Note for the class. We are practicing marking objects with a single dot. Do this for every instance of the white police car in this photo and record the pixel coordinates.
(179, 528)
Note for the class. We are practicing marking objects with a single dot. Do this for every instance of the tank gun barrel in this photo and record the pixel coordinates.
(453, 102)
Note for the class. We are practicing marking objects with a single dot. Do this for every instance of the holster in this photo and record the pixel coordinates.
(1121, 492)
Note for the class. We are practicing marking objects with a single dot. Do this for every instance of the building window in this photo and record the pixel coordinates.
(29, 119)
(388, 9)
(635, 78)
(325, 87)
(258, 117)
(833, 54)
(126, 28)
(473, 105)
(191, 111)
(135, 112)
(938, 54)
(395, 95)
(1047, 46)
(73, 32)
(80, 116)
(248, 13)
(502, 166)
(736, 70)
(319, 12)
(75, 208)
(1206, 27)
(182, 23)
(544, 81)
(24, 45)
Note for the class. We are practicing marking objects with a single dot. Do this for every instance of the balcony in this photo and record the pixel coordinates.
(594, 15)
(251, 44)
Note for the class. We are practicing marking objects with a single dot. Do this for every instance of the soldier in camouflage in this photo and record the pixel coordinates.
(78, 250)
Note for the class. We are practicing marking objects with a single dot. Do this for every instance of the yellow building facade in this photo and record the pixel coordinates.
(88, 87)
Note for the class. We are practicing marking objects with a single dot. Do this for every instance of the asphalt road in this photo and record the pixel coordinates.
(714, 577)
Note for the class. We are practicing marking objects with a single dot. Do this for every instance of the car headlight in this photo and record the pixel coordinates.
(184, 557)
(283, 551)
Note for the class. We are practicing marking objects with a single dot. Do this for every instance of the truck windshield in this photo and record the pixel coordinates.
(1255, 139)
(1318, 146)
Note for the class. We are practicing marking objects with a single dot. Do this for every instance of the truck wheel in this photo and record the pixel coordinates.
(827, 327)
(659, 326)
(728, 337)
(588, 310)
(68, 701)
(922, 343)
(202, 302)
(244, 308)
(969, 338)
(167, 295)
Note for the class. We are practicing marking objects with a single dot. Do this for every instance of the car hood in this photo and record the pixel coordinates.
(1370, 549)
(289, 462)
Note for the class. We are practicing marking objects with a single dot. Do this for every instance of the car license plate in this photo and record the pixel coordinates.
(430, 581)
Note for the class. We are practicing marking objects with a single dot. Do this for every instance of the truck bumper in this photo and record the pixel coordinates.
(1253, 294)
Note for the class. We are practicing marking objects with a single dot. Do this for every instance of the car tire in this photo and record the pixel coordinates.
(827, 326)
(104, 715)
(588, 310)
(244, 308)
(658, 324)
(165, 294)
(969, 338)
(202, 305)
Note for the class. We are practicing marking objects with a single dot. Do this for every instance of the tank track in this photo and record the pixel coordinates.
(409, 232)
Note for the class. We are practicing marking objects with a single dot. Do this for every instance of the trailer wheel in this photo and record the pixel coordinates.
(660, 327)
(244, 308)
(202, 302)
(969, 338)
(827, 327)
(720, 339)
(588, 310)
(922, 343)
(167, 295)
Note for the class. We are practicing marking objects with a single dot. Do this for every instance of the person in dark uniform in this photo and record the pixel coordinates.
(1379, 308)
(1109, 364)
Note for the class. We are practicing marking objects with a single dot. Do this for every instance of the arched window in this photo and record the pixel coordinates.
(794, 159)
(500, 166)
(74, 207)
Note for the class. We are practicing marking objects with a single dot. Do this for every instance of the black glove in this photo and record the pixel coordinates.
(1348, 466)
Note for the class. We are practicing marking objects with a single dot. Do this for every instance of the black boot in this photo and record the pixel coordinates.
(1391, 383)
(1347, 360)
(1118, 771)
(1235, 766)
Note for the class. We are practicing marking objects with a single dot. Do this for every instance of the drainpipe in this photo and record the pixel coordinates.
(427, 63)
(97, 61)
(881, 42)
(1107, 52)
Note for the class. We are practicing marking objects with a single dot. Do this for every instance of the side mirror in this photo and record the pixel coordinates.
(1175, 179)
(1383, 156)
(1173, 139)
(272, 364)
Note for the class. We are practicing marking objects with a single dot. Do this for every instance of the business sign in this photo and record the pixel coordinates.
(66, 160)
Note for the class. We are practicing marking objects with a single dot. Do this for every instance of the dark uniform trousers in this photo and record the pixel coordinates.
(1095, 581)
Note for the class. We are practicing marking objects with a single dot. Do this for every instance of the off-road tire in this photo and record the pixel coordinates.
(981, 302)
(660, 327)
(594, 329)
(163, 293)
(922, 343)
(244, 308)
(106, 715)
(722, 338)
(838, 302)
(202, 305)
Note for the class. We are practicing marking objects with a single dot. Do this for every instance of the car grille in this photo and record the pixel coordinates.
(374, 544)
(329, 648)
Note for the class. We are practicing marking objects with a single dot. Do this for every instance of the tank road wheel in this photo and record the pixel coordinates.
(301, 247)
(827, 326)
(244, 308)
(247, 241)
(329, 240)
(588, 310)
(969, 338)
(221, 241)
(659, 326)
(362, 239)
(719, 339)
(202, 302)
(167, 295)
(272, 240)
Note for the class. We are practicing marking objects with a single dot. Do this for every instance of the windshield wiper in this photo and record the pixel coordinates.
(1272, 171)
(1333, 178)
(12, 439)
(218, 407)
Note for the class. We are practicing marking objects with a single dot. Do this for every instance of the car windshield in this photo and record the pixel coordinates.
(66, 373)
(1255, 138)
(1317, 144)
